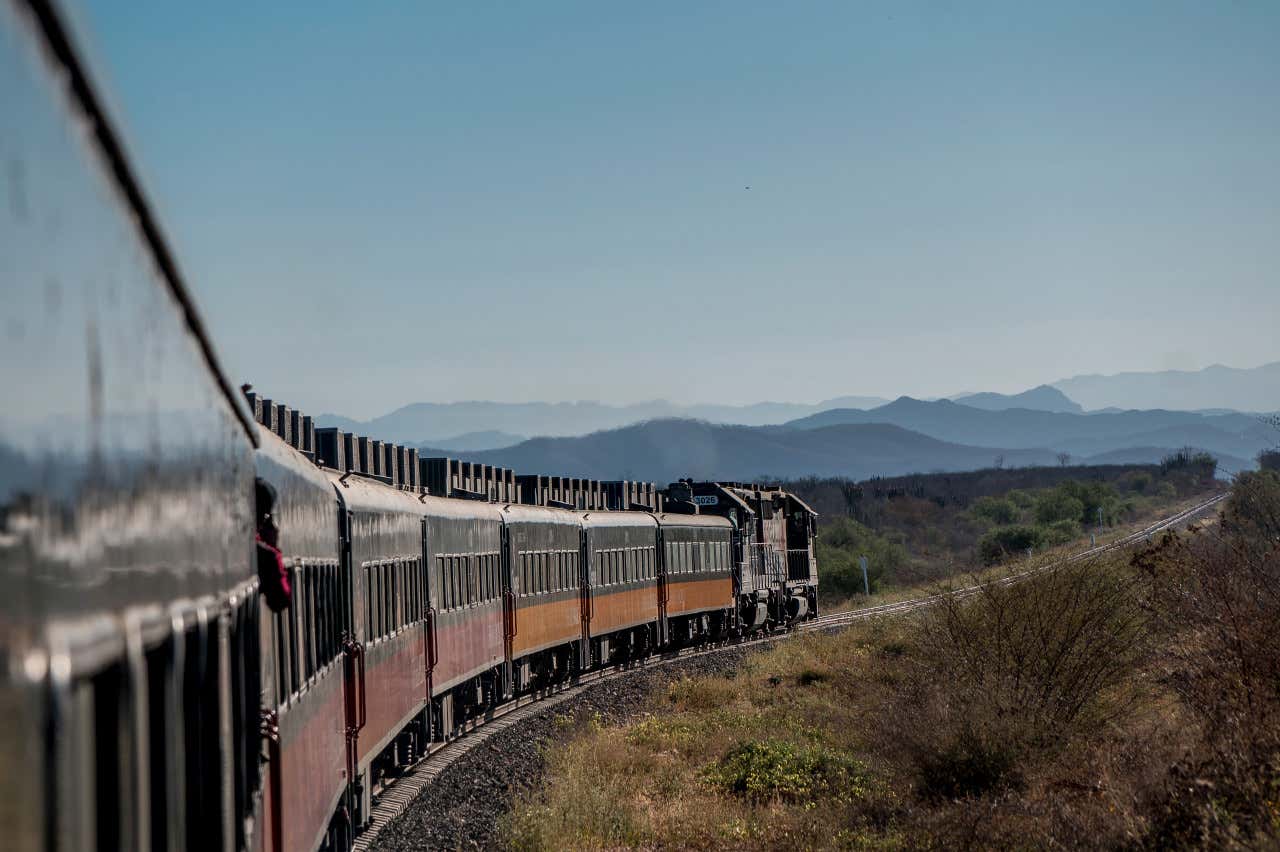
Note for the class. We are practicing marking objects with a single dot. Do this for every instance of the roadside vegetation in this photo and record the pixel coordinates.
(922, 529)
(1129, 702)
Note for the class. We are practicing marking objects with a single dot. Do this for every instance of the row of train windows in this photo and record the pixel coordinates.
(696, 557)
(623, 565)
(548, 571)
(308, 635)
(397, 596)
(467, 579)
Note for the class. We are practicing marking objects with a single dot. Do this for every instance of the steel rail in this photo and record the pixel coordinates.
(393, 798)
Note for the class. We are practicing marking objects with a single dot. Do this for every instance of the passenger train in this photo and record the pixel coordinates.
(212, 638)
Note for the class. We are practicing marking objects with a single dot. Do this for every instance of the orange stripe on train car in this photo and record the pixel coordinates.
(616, 610)
(697, 595)
(542, 625)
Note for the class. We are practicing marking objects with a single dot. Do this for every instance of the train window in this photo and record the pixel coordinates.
(384, 600)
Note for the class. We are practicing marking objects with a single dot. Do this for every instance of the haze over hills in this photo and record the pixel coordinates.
(489, 439)
(665, 450)
(1253, 389)
(850, 436)
(1235, 435)
(466, 425)
(436, 422)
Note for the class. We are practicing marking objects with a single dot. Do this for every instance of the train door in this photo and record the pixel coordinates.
(584, 584)
(663, 589)
(353, 682)
(429, 617)
(509, 611)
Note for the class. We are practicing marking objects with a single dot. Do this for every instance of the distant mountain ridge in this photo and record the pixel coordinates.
(489, 439)
(435, 422)
(1235, 435)
(664, 450)
(1042, 398)
(1248, 389)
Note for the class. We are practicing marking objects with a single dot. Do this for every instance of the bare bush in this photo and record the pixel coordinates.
(1217, 595)
(1014, 671)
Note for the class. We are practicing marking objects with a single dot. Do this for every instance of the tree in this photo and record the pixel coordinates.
(1064, 459)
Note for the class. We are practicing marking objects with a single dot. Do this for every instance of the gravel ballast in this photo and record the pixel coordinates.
(462, 808)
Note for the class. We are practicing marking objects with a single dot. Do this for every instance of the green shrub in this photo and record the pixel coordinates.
(1138, 482)
(762, 771)
(1001, 542)
(1058, 505)
(840, 544)
(1061, 532)
(996, 510)
(1020, 498)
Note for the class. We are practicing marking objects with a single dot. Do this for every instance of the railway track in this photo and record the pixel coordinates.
(392, 798)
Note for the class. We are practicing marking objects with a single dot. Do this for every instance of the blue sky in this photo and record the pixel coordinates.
(387, 203)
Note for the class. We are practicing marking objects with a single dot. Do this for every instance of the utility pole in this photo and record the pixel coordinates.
(866, 584)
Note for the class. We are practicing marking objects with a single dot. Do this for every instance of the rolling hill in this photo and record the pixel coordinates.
(1235, 435)
(665, 450)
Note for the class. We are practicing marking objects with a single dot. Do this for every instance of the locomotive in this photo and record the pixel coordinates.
(160, 689)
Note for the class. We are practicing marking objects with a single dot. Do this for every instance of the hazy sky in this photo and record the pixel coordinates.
(385, 203)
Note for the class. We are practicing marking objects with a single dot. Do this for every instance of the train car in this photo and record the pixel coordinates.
(695, 578)
(463, 546)
(620, 597)
(387, 659)
(303, 674)
(775, 572)
(126, 477)
(543, 568)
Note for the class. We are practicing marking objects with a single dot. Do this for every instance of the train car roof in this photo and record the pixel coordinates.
(618, 519)
(675, 519)
(525, 513)
(363, 493)
(274, 447)
(458, 509)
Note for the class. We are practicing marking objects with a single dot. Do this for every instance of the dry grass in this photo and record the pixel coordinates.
(1106, 704)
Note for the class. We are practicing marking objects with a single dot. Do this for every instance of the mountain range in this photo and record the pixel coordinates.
(851, 436)
(904, 436)
(1254, 389)
(463, 425)
(440, 423)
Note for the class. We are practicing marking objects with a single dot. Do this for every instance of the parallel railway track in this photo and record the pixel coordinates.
(393, 798)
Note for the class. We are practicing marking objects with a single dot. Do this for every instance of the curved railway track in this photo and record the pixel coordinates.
(392, 799)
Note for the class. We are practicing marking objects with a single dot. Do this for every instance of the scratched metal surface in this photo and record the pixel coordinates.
(123, 469)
